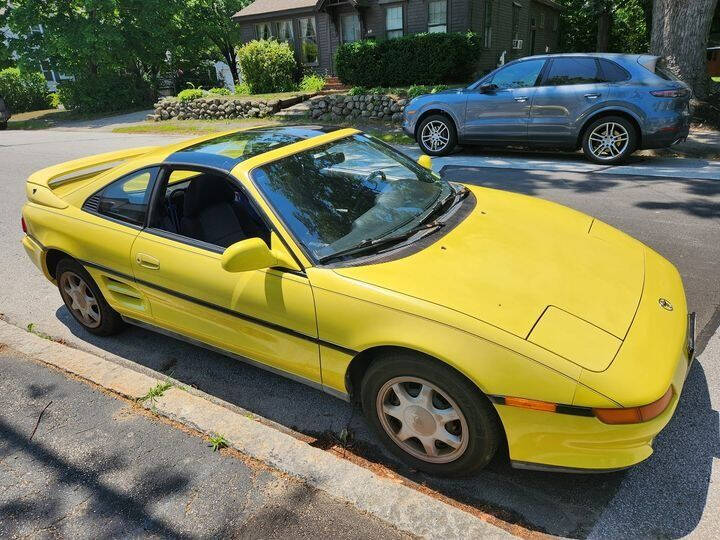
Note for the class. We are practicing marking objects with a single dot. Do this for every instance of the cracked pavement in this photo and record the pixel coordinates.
(99, 466)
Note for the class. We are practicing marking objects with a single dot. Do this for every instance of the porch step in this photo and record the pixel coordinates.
(333, 83)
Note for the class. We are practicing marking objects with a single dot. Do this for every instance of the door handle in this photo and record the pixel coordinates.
(592, 96)
(147, 261)
(521, 99)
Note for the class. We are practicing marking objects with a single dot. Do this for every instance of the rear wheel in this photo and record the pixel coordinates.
(84, 300)
(436, 135)
(3, 126)
(609, 140)
(429, 416)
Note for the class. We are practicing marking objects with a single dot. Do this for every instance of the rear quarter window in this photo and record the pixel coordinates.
(612, 72)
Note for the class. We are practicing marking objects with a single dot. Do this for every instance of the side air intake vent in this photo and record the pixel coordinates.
(92, 204)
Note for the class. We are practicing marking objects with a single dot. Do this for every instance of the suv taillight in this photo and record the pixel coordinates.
(24, 226)
(674, 93)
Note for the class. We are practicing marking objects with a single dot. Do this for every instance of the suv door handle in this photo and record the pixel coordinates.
(147, 261)
(592, 96)
(521, 99)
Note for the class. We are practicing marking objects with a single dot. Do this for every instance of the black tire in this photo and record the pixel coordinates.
(625, 124)
(435, 120)
(3, 126)
(110, 322)
(483, 433)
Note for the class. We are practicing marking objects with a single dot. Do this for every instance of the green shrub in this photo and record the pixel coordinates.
(267, 66)
(357, 91)
(54, 100)
(242, 89)
(312, 83)
(23, 91)
(190, 94)
(104, 92)
(419, 89)
(415, 59)
(219, 91)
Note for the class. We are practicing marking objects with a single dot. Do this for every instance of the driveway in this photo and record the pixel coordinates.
(675, 493)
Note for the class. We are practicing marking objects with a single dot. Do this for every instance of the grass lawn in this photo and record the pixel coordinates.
(53, 117)
(390, 133)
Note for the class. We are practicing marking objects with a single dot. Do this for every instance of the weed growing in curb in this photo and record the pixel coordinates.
(155, 392)
(217, 442)
(32, 330)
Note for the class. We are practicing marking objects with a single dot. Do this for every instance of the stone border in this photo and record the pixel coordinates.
(399, 505)
(211, 107)
(345, 107)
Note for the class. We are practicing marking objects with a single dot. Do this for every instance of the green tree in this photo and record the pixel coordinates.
(605, 25)
(208, 24)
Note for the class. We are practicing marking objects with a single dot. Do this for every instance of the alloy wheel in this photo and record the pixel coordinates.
(79, 298)
(608, 141)
(435, 135)
(422, 420)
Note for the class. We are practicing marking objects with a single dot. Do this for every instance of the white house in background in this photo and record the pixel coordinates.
(52, 77)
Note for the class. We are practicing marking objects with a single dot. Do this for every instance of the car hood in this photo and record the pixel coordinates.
(513, 257)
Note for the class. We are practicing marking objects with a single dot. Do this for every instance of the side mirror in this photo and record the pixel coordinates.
(488, 88)
(251, 254)
(425, 161)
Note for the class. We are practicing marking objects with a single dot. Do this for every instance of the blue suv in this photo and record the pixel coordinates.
(607, 104)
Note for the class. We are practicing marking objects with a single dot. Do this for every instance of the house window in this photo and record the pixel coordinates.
(542, 20)
(308, 41)
(394, 22)
(284, 31)
(264, 31)
(47, 71)
(488, 24)
(516, 21)
(351, 28)
(437, 16)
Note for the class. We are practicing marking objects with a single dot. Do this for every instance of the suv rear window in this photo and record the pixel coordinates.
(573, 70)
(613, 72)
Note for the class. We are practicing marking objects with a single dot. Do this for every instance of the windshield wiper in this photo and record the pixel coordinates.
(371, 244)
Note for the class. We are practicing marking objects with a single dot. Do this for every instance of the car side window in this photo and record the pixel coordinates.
(521, 75)
(126, 199)
(612, 72)
(573, 70)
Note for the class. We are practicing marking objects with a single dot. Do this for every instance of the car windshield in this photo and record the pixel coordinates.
(348, 192)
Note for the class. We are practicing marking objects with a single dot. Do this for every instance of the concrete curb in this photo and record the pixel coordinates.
(399, 505)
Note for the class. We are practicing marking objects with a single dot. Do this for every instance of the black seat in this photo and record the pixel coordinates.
(209, 213)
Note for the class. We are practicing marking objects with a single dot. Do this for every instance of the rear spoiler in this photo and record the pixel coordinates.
(40, 185)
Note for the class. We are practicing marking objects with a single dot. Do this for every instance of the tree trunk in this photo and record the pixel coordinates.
(603, 36)
(680, 35)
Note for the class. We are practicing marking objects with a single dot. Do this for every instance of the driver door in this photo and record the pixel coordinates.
(264, 315)
(502, 115)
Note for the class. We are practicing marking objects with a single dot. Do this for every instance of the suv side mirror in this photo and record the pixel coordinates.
(252, 254)
(488, 88)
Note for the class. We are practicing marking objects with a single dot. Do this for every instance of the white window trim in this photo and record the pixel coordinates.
(401, 7)
(443, 25)
(301, 37)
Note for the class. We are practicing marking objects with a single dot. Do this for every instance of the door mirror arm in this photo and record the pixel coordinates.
(488, 88)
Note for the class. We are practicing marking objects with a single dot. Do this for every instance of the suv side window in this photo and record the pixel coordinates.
(573, 70)
(613, 72)
(125, 199)
(520, 75)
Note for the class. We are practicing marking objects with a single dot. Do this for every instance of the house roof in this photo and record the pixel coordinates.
(271, 7)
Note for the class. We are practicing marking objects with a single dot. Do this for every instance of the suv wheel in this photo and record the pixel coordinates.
(436, 135)
(429, 416)
(84, 300)
(609, 140)
(3, 126)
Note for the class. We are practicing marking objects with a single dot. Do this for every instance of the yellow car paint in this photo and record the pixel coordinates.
(524, 257)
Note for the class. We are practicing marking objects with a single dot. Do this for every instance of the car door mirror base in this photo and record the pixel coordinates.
(488, 88)
(252, 254)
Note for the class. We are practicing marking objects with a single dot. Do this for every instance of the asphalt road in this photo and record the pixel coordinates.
(670, 495)
(96, 467)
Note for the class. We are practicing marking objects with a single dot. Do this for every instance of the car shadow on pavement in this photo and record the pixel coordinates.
(664, 496)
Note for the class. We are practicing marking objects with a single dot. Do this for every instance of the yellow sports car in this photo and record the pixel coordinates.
(460, 318)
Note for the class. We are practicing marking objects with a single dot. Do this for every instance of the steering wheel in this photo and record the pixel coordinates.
(367, 179)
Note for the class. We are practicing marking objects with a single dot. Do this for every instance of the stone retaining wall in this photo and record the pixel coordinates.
(216, 108)
(373, 106)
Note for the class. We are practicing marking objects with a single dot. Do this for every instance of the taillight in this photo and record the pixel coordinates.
(24, 226)
(674, 93)
(635, 415)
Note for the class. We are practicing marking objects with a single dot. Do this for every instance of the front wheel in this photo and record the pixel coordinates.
(609, 140)
(430, 416)
(436, 135)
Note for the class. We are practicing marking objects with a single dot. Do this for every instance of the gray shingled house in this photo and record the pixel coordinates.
(316, 28)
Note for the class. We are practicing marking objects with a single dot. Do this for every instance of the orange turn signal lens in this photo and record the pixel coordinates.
(530, 404)
(635, 415)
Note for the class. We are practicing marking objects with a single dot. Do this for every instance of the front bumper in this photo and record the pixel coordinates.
(408, 126)
(656, 353)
